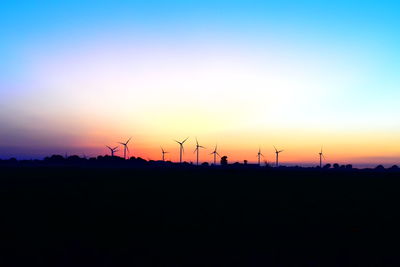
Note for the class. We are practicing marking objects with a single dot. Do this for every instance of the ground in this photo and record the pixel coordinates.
(105, 216)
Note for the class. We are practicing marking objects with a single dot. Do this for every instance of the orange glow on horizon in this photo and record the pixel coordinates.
(300, 148)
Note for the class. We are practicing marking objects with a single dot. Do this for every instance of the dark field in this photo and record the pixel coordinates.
(62, 216)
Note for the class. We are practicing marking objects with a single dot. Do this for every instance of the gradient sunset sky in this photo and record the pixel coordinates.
(78, 75)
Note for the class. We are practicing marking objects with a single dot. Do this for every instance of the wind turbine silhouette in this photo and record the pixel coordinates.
(215, 155)
(112, 150)
(163, 154)
(197, 150)
(181, 149)
(259, 154)
(321, 155)
(125, 146)
(277, 156)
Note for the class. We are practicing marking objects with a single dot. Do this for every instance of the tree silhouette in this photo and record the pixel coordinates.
(336, 166)
(327, 166)
(224, 160)
(379, 167)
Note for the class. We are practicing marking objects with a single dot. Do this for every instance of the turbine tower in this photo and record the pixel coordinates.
(163, 153)
(197, 150)
(181, 149)
(112, 150)
(125, 146)
(259, 154)
(215, 155)
(321, 155)
(277, 156)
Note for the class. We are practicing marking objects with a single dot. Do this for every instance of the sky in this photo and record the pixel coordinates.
(78, 75)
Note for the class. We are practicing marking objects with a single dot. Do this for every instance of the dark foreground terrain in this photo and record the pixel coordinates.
(78, 216)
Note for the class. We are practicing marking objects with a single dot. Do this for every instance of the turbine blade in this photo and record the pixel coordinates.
(218, 154)
(185, 140)
(276, 149)
(128, 140)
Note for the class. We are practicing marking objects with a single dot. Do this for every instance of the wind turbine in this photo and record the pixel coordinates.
(277, 156)
(163, 153)
(259, 154)
(112, 150)
(215, 155)
(321, 155)
(197, 150)
(181, 149)
(125, 146)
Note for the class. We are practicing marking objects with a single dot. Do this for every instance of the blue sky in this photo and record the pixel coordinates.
(335, 64)
(369, 25)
